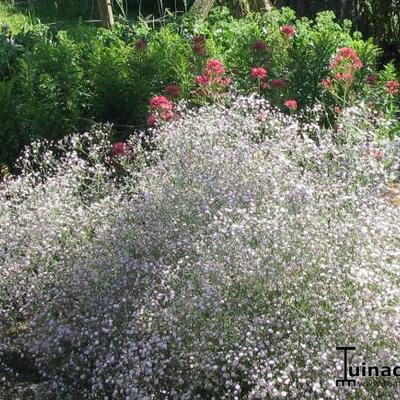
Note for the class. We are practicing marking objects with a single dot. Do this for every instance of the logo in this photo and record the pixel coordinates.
(345, 380)
(350, 372)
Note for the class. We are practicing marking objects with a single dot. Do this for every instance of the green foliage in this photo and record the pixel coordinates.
(9, 134)
(383, 18)
(11, 17)
(55, 82)
(8, 52)
(312, 51)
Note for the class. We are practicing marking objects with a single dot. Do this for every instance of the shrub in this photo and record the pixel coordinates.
(8, 53)
(228, 263)
(62, 81)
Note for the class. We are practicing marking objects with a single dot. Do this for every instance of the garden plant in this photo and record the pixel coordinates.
(204, 209)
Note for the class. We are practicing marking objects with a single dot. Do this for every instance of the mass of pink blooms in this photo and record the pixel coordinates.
(198, 45)
(393, 87)
(121, 149)
(151, 120)
(344, 77)
(212, 80)
(377, 153)
(347, 59)
(258, 73)
(327, 83)
(344, 66)
(161, 110)
(372, 79)
(288, 30)
(214, 68)
(173, 90)
(291, 104)
(277, 83)
(202, 79)
(258, 46)
(161, 103)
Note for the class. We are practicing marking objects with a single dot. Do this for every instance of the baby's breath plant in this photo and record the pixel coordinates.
(228, 263)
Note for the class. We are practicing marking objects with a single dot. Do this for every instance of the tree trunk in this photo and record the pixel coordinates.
(202, 7)
(106, 13)
(260, 5)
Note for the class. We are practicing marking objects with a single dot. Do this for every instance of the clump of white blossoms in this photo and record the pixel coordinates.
(227, 263)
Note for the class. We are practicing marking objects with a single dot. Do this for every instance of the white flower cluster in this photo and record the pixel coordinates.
(227, 263)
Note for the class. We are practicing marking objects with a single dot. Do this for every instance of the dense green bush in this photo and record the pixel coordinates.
(56, 82)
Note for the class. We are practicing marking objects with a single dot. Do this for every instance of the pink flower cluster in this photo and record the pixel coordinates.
(393, 87)
(122, 149)
(344, 77)
(259, 73)
(291, 104)
(161, 110)
(198, 45)
(344, 66)
(372, 79)
(377, 153)
(288, 30)
(214, 68)
(212, 81)
(327, 83)
(347, 59)
(277, 83)
(258, 46)
(213, 75)
(173, 90)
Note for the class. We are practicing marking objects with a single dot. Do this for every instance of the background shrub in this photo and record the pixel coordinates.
(57, 82)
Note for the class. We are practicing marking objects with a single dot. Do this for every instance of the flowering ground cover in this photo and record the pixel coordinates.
(227, 263)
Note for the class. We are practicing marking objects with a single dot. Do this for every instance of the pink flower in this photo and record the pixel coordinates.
(262, 116)
(264, 85)
(377, 153)
(224, 81)
(168, 115)
(173, 90)
(151, 120)
(212, 78)
(344, 76)
(372, 79)
(347, 57)
(160, 102)
(202, 79)
(258, 45)
(288, 30)
(276, 83)
(199, 39)
(199, 49)
(327, 83)
(393, 87)
(140, 44)
(291, 104)
(121, 149)
(258, 73)
(215, 67)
